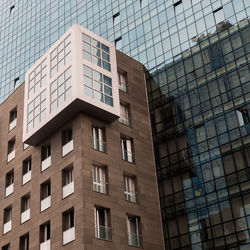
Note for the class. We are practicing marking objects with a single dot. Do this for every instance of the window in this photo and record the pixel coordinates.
(16, 82)
(118, 43)
(25, 208)
(125, 114)
(67, 181)
(130, 187)
(134, 231)
(9, 183)
(100, 179)
(13, 119)
(45, 236)
(26, 170)
(98, 139)
(67, 141)
(243, 116)
(178, 7)
(68, 226)
(12, 8)
(46, 157)
(11, 149)
(98, 86)
(102, 223)
(96, 52)
(122, 81)
(116, 18)
(216, 56)
(24, 242)
(45, 195)
(219, 15)
(127, 149)
(7, 219)
(6, 247)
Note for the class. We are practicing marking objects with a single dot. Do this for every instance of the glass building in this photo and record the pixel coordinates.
(197, 56)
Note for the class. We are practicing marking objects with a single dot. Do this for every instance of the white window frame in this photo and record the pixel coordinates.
(100, 179)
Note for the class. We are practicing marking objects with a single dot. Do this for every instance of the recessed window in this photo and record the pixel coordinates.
(127, 149)
(215, 56)
(9, 183)
(45, 236)
(130, 188)
(118, 43)
(67, 181)
(67, 141)
(11, 149)
(125, 114)
(68, 226)
(99, 139)
(243, 116)
(116, 18)
(25, 208)
(13, 119)
(122, 81)
(6, 247)
(219, 15)
(100, 179)
(134, 231)
(7, 219)
(16, 82)
(45, 195)
(24, 242)
(26, 171)
(45, 157)
(12, 8)
(103, 223)
(178, 7)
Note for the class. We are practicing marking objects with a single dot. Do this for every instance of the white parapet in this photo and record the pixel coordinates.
(26, 177)
(9, 190)
(68, 189)
(46, 163)
(67, 148)
(11, 155)
(45, 245)
(45, 203)
(68, 235)
(7, 227)
(25, 215)
(12, 124)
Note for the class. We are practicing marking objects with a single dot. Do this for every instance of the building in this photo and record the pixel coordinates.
(201, 130)
(87, 179)
(162, 35)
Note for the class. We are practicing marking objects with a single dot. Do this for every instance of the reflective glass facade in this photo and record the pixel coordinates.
(197, 54)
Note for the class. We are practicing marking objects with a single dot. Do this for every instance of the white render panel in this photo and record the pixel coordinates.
(12, 124)
(68, 189)
(11, 155)
(25, 215)
(45, 245)
(68, 235)
(40, 93)
(26, 177)
(46, 163)
(9, 190)
(6, 227)
(45, 203)
(67, 148)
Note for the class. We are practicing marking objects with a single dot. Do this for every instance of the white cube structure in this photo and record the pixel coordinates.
(78, 73)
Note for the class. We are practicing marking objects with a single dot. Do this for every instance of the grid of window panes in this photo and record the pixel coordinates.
(200, 110)
(37, 78)
(60, 56)
(36, 110)
(97, 86)
(60, 90)
(151, 31)
(96, 52)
